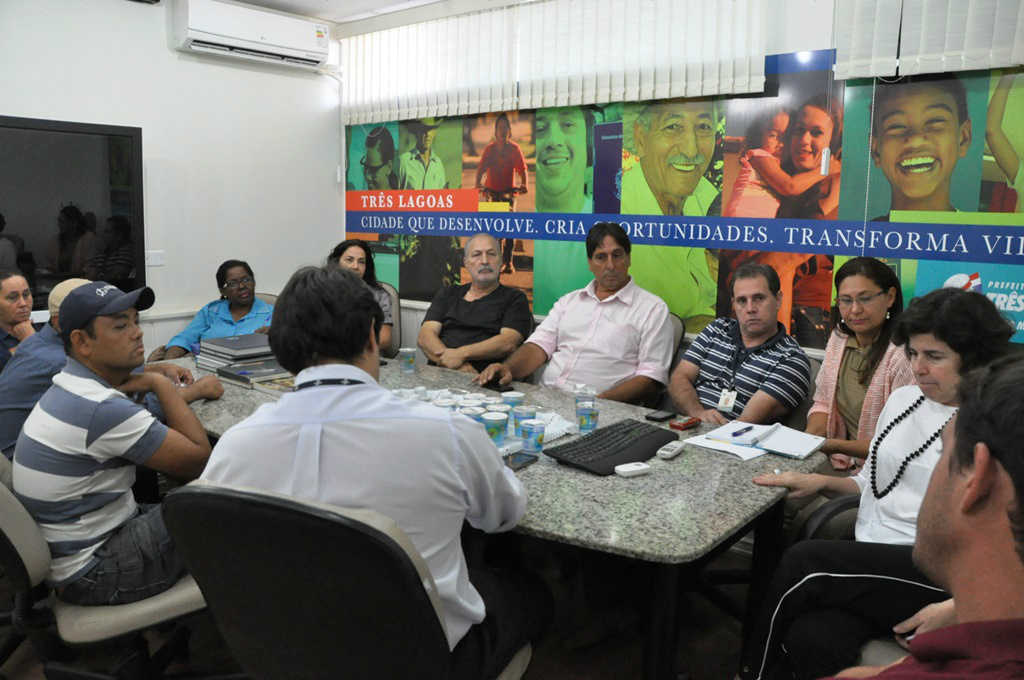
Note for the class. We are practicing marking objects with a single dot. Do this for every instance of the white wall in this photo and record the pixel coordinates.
(239, 160)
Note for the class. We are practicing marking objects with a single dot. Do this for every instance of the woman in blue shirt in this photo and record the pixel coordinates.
(237, 312)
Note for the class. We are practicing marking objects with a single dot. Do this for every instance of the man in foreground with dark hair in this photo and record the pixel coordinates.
(613, 334)
(747, 368)
(73, 463)
(340, 437)
(970, 537)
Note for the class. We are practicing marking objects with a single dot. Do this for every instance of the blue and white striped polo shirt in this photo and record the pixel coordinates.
(777, 366)
(73, 465)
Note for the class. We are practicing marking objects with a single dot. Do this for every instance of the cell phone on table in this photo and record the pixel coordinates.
(517, 461)
(659, 416)
(684, 423)
(493, 385)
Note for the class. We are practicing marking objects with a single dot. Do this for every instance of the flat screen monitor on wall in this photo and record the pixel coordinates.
(71, 200)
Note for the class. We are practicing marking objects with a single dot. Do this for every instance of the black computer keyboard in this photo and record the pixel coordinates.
(627, 441)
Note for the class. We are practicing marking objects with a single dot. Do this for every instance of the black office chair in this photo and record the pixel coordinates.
(56, 628)
(662, 401)
(303, 590)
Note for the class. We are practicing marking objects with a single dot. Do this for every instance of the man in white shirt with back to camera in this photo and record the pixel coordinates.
(613, 334)
(340, 437)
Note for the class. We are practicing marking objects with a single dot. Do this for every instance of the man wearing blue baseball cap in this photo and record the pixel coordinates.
(74, 463)
(29, 373)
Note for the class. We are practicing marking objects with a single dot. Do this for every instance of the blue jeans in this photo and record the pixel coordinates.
(137, 562)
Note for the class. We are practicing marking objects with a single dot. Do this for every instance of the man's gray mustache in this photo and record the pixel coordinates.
(683, 159)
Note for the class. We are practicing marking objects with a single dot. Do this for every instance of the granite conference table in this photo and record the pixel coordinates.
(687, 511)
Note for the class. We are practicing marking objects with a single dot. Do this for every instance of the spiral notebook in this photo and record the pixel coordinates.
(776, 438)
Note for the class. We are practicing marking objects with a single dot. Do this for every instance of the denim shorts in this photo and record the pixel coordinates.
(137, 562)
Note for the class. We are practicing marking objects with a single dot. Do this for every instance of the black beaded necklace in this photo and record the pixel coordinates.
(910, 457)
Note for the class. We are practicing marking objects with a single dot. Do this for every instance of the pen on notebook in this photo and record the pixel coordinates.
(742, 430)
(262, 370)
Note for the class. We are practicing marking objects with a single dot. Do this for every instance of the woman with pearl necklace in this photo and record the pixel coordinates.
(828, 598)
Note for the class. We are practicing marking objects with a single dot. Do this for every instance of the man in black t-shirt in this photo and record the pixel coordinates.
(473, 325)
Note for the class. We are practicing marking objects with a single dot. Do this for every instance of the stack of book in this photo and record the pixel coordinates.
(240, 359)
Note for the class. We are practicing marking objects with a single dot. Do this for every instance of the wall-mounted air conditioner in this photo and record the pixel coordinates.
(233, 30)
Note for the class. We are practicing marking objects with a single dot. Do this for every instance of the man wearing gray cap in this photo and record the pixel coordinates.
(74, 460)
(30, 373)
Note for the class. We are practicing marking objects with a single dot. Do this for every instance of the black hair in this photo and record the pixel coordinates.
(885, 278)
(834, 108)
(990, 399)
(601, 229)
(380, 139)
(323, 313)
(968, 322)
(8, 274)
(752, 270)
(222, 271)
(74, 215)
(760, 125)
(370, 275)
(89, 329)
(120, 225)
(946, 82)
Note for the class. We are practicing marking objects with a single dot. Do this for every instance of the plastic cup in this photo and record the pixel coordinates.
(446, 404)
(474, 412)
(480, 396)
(496, 424)
(586, 416)
(533, 435)
(471, 403)
(513, 398)
(584, 393)
(521, 413)
(407, 359)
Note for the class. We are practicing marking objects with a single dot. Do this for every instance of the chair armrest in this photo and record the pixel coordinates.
(825, 514)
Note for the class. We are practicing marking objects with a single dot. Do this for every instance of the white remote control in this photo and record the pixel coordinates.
(632, 469)
(671, 450)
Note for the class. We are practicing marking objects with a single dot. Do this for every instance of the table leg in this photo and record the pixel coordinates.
(663, 632)
(769, 544)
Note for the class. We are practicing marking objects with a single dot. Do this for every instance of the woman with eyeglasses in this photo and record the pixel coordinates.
(237, 312)
(862, 366)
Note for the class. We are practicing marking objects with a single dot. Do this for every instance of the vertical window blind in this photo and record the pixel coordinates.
(554, 53)
(903, 37)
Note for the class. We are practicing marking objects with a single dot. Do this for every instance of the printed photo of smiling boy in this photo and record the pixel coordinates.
(921, 129)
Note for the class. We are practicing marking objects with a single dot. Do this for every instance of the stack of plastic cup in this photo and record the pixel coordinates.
(586, 408)
(521, 413)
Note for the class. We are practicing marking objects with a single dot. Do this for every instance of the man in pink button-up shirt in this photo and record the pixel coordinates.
(613, 334)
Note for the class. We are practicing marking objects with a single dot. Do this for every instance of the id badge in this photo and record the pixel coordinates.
(727, 400)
